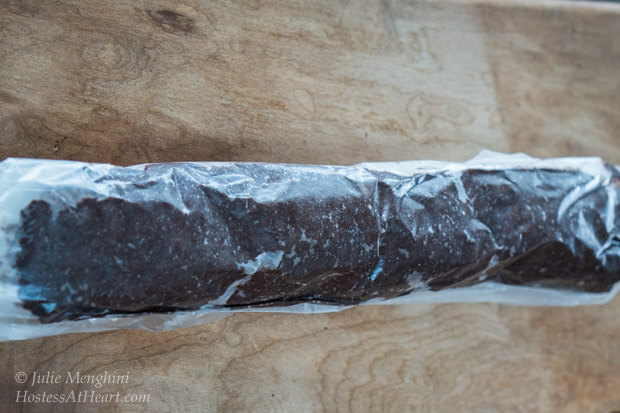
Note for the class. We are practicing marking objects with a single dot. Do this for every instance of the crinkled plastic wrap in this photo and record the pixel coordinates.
(90, 247)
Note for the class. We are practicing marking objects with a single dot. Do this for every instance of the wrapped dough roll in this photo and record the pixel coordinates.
(94, 240)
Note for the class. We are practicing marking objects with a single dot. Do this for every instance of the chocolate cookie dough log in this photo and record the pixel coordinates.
(260, 234)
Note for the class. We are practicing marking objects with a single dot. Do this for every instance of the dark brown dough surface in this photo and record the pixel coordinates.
(260, 234)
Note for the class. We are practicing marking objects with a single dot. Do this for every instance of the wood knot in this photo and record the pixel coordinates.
(172, 22)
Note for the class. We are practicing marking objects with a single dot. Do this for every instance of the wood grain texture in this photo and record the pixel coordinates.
(451, 357)
(314, 81)
(322, 82)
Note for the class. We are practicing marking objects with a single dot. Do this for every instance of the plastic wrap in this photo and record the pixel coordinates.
(90, 247)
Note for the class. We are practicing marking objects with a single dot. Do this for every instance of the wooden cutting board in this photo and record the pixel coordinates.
(321, 82)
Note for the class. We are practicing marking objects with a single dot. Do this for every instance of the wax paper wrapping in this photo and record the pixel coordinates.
(91, 247)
